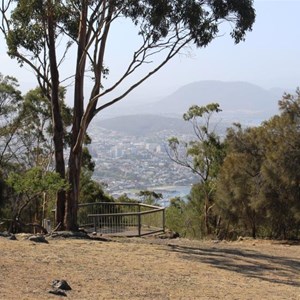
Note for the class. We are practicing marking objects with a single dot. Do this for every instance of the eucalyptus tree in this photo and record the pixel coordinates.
(10, 101)
(30, 187)
(35, 129)
(27, 144)
(40, 33)
(203, 156)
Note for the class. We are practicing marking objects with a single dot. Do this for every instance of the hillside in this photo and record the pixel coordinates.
(139, 125)
(240, 101)
(232, 96)
(148, 125)
(150, 269)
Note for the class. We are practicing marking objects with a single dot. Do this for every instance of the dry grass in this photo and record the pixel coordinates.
(150, 269)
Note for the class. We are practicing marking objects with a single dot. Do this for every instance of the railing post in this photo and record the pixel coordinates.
(139, 220)
(95, 225)
(164, 220)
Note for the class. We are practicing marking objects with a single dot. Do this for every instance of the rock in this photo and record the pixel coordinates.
(169, 235)
(23, 236)
(61, 285)
(5, 234)
(8, 235)
(12, 237)
(70, 234)
(38, 239)
(216, 241)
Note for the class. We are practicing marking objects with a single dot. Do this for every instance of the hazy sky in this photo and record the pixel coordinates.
(270, 56)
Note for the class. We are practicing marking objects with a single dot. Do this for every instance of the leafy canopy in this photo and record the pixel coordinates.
(156, 19)
(35, 181)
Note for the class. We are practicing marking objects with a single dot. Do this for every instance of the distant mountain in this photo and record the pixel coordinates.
(241, 102)
(238, 100)
(234, 98)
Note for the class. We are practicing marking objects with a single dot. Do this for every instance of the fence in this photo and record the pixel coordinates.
(126, 219)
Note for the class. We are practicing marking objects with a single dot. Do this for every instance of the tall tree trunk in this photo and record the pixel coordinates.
(74, 165)
(207, 228)
(58, 130)
(73, 193)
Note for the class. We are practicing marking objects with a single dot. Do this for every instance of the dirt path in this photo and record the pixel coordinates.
(150, 269)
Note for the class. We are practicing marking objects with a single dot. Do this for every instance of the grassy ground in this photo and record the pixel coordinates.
(150, 269)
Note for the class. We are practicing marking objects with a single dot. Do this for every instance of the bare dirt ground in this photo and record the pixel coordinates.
(150, 269)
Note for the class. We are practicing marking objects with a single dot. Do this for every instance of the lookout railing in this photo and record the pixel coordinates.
(124, 219)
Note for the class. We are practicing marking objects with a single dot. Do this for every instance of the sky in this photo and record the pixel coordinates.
(269, 57)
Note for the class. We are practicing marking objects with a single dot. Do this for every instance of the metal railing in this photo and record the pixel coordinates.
(118, 218)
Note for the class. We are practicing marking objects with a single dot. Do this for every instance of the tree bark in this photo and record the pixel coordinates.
(58, 130)
(73, 193)
(74, 165)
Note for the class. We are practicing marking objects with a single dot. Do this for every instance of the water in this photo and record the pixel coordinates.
(168, 192)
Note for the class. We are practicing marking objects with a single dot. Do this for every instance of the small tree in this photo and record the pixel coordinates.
(258, 185)
(202, 156)
(35, 185)
(10, 102)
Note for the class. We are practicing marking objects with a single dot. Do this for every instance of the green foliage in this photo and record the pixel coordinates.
(207, 151)
(32, 194)
(2, 187)
(175, 218)
(36, 181)
(236, 190)
(10, 102)
(26, 129)
(186, 217)
(150, 197)
(87, 162)
(10, 96)
(124, 198)
(10, 107)
(202, 156)
(196, 111)
(258, 186)
(91, 190)
(200, 19)
(38, 106)
(251, 184)
(28, 27)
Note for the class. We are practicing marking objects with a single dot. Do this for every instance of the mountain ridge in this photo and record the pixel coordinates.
(233, 97)
(257, 105)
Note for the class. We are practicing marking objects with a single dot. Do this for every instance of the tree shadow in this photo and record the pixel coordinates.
(246, 262)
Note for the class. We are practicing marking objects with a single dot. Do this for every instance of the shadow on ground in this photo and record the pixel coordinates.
(274, 269)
